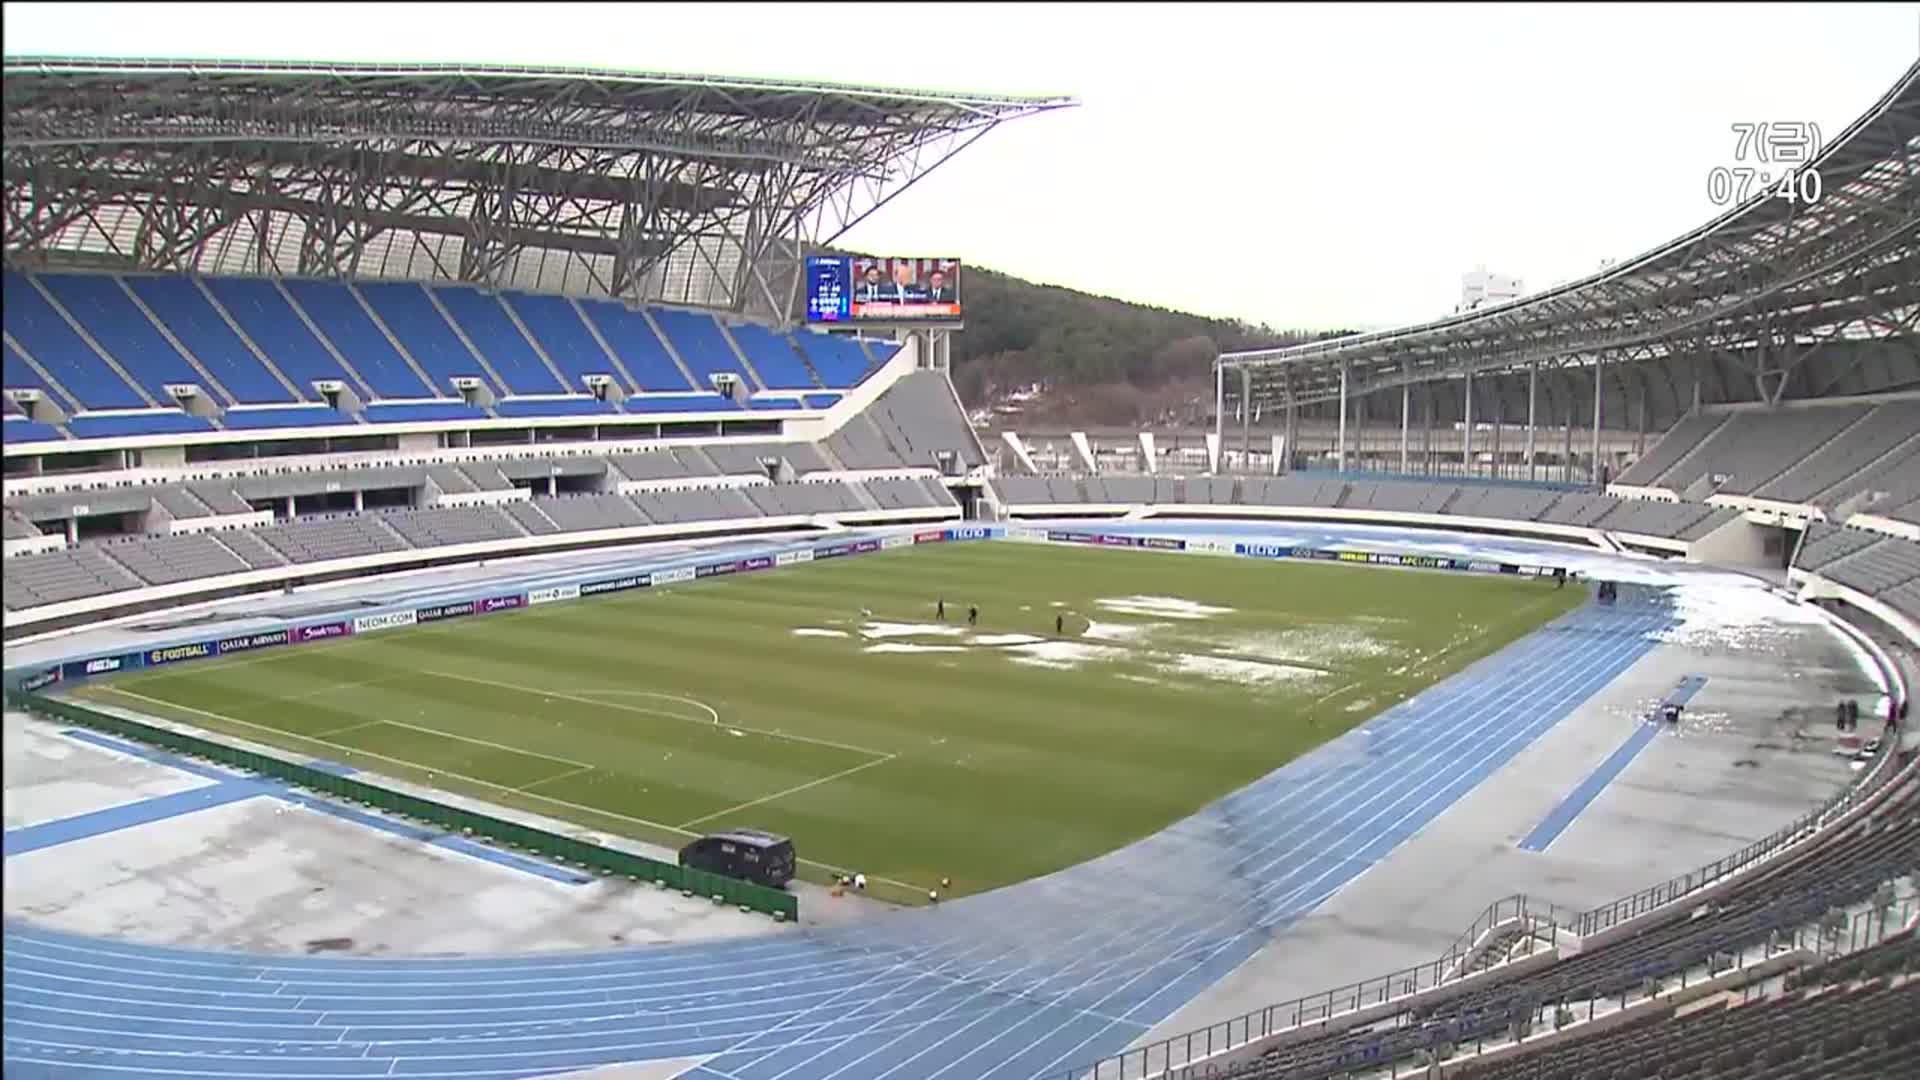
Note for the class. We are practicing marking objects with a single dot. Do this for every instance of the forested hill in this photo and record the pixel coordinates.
(1093, 360)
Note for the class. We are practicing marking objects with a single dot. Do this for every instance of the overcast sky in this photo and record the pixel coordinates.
(1316, 166)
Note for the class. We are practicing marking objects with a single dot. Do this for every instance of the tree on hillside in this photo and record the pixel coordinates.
(1095, 360)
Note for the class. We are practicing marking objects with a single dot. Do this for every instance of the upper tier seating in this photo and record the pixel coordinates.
(270, 322)
(45, 336)
(1756, 446)
(698, 340)
(417, 325)
(179, 304)
(259, 348)
(638, 348)
(487, 323)
(99, 303)
(336, 310)
(774, 359)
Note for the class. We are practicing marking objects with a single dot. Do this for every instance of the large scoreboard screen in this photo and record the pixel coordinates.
(844, 288)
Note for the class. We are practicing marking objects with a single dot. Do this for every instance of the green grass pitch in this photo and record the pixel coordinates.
(826, 702)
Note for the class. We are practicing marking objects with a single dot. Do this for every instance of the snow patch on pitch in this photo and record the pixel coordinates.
(1063, 655)
(1328, 646)
(884, 630)
(1164, 607)
(816, 631)
(910, 647)
(1243, 672)
(1101, 631)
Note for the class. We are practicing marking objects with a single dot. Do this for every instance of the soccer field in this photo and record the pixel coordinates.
(827, 702)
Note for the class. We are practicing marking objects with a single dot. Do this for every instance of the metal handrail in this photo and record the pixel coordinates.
(1165, 1055)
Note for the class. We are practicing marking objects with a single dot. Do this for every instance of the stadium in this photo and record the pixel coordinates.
(1523, 693)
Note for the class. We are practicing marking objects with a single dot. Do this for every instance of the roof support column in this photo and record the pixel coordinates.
(1219, 408)
(1499, 422)
(1599, 366)
(1566, 451)
(1533, 390)
(1288, 446)
(1466, 441)
(1246, 415)
(1406, 403)
(1340, 450)
(1426, 435)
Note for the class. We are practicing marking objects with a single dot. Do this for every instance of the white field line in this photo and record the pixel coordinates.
(401, 762)
(551, 779)
(797, 788)
(576, 763)
(916, 889)
(712, 713)
(656, 712)
(328, 734)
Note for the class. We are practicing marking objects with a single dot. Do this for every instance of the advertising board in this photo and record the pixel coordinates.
(367, 623)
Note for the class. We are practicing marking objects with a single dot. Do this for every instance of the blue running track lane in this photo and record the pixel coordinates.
(228, 787)
(1026, 981)
(1582, 796)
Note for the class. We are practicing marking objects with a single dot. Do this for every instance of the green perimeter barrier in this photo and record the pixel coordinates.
(551, 846)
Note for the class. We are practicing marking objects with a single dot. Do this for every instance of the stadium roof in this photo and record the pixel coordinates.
(682, 188)
(1769, 283)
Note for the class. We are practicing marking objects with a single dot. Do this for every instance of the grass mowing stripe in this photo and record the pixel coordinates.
(562, 695)
(1109, 743)
(912, 890)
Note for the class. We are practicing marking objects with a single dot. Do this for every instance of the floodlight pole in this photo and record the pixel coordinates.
(1466, 453)
(1533, 386)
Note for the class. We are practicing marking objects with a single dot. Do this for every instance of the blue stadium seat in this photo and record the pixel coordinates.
(264, 314)
(638, 347)
(150, 422)
(345, 323)
(567, 341)
(19, 429)
(420, 328)
(179, 303)
(97, 302)
(577, 405)
(841, 362)
(773, 357)
(697, 338)
(416, 411)
(669, 403)
(290, 416)
(819, 401)
(761, 402)
(506, 348)
(20, 376)
(63, 354)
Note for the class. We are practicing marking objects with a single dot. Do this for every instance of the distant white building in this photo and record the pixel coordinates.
(1479, 289)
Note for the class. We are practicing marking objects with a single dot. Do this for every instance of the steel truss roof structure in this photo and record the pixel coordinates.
(1757, 293)
(669, 188)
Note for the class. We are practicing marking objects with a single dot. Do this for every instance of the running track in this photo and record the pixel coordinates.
(1027, 981)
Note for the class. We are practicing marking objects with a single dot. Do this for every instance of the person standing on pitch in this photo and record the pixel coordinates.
(940, 609)
(973, 615)
(1059, 626)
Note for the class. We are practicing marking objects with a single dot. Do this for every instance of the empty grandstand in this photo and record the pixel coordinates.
(323, 389)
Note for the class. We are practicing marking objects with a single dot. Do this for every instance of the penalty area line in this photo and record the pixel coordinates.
(794, 790)
(880, 755)
(414, 765)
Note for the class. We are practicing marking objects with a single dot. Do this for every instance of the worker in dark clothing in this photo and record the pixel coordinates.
(973, 615)
(1059, 625)
(940, 609)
